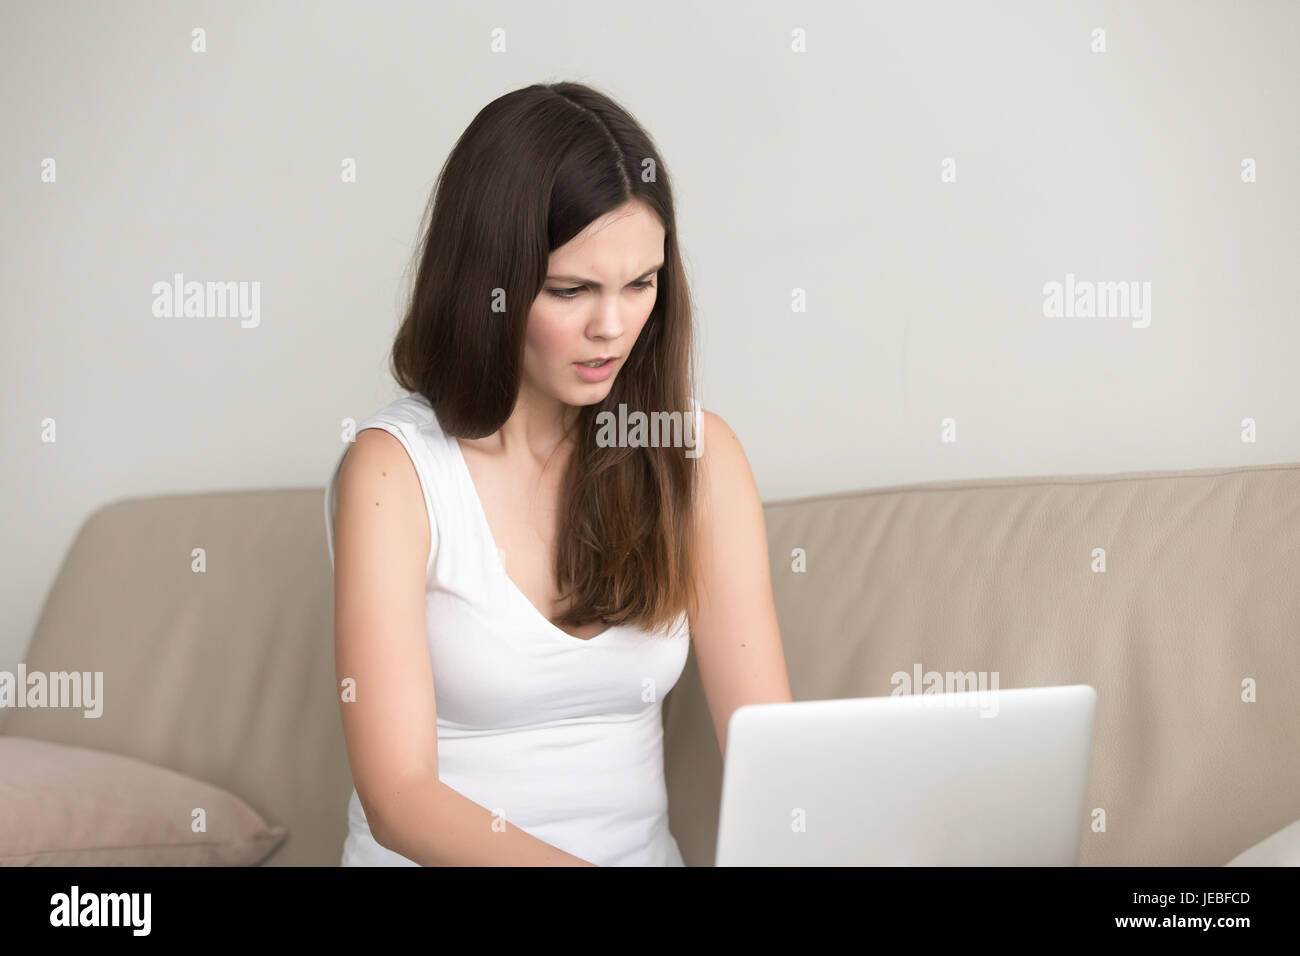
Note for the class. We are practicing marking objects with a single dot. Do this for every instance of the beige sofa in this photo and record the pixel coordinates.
(227, 675)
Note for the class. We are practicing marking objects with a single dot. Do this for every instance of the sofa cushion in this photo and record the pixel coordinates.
(73, 806)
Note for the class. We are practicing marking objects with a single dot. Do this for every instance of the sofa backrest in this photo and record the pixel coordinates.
(1198, 609)
(228, 674)
(225, 674)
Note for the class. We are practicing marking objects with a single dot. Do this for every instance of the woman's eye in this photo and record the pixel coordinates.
(573, 292)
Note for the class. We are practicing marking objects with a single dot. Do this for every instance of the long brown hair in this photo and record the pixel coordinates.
(532, 170)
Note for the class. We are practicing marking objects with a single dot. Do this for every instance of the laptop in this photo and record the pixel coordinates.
(975, 778)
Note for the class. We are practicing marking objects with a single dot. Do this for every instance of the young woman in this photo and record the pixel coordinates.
(495, 540)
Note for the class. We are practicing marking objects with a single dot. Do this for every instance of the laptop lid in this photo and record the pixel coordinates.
(977, 778)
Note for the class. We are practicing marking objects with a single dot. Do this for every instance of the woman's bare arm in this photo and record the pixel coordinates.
(432, 824)
(381, 550)
(736, 636)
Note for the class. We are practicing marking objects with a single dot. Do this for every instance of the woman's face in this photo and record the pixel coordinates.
(599, 290)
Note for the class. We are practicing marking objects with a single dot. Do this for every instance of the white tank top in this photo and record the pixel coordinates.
(560, 736)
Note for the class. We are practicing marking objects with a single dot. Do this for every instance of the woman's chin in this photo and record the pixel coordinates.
(584, 394)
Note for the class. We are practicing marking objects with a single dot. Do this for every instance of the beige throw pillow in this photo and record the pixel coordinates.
(72, 806)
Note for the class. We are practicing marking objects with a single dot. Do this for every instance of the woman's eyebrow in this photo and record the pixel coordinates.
(597, 284)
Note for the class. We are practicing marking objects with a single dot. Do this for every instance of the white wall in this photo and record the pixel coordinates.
(817, 170)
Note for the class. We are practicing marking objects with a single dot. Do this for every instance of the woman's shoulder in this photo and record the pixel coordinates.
(412, 409)
(387, 459)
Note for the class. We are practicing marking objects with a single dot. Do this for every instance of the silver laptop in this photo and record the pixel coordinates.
(976, 778)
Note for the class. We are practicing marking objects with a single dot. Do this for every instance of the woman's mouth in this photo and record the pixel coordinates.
(596, 371)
